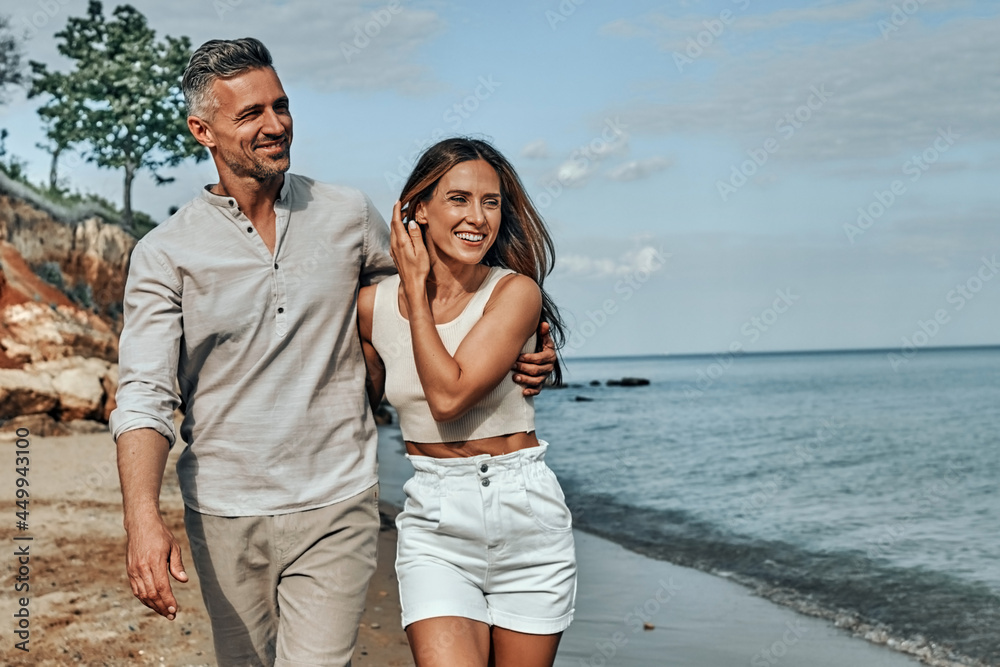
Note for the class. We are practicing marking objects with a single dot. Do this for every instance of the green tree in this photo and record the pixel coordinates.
(11, 67)
(123, 101)
(61, 115)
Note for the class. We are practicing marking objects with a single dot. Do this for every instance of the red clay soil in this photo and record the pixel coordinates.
(19, 284)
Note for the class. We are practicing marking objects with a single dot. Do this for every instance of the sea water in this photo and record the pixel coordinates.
(837, 483)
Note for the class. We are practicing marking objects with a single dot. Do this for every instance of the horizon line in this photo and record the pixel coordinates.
(763, 353)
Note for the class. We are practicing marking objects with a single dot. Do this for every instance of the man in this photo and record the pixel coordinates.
(241, 309)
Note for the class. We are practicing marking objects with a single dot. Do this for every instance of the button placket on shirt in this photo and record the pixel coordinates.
(280, 292)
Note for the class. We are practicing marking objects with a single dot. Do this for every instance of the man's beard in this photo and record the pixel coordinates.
(256, 168)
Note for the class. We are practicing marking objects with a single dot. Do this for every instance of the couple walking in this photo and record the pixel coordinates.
(275, 311)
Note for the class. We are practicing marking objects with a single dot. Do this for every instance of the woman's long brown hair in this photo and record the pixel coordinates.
(523, 243)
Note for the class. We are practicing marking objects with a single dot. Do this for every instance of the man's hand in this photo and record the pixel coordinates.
(152, 552)
(532, 369)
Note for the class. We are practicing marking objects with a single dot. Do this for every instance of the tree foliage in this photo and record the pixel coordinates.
(11, 67)
(61, 115)
(123, 100)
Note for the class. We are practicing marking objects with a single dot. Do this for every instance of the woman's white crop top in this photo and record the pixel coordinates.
(503, 411)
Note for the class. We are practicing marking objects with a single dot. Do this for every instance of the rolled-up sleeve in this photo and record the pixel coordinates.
(149, 346)
(377, 262)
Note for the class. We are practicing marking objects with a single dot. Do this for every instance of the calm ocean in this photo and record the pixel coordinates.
(830, 482)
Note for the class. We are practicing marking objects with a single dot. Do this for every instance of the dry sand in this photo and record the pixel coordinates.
(82, 611)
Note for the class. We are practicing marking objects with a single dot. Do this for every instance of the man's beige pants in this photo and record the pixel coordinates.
(286, 590)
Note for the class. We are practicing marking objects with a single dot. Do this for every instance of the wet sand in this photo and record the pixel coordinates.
(696, 619)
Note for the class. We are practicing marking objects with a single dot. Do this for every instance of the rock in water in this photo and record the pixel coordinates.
(628, 382)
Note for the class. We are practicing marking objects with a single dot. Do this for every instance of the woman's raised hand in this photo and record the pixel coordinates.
(406, 245)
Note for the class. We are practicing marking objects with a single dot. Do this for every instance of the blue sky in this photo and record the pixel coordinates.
(701, 164)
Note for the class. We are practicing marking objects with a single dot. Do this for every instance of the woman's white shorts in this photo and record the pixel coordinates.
(488, 538)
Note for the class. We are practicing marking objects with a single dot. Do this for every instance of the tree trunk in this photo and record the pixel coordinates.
(54, 169)
(127, 207)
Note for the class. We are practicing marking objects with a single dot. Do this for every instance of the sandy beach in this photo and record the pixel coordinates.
(82, 610)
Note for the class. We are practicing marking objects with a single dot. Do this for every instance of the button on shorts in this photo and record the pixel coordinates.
(487, 538)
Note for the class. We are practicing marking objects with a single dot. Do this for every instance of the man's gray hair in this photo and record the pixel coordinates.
(219, 59)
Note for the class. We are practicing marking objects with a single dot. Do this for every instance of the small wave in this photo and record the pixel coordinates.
(602, 427)
(941, 620)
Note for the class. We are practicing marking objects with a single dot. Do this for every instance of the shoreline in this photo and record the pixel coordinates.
(82, 609)
(636, 610)
(813, 605)
(751, 619)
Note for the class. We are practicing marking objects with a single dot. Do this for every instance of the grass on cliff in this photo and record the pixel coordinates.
(141, 222)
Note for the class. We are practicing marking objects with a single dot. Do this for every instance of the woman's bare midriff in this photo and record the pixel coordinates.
(495, 446)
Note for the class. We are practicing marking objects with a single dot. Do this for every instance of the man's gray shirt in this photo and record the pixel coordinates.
(264, 348)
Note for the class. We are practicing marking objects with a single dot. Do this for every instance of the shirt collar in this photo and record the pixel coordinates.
(229, 203)
(220, 201)
(285, 189)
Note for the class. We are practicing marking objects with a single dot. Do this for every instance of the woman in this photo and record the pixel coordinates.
(485, 559)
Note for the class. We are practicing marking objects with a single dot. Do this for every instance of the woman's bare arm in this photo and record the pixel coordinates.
(375, 381)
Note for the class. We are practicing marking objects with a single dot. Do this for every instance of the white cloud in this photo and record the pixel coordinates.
(638, 169)
(858, 10)
(647, 259)
(624, 28)
(345, 45)
(672, 31)
(586, 266)
(536, 150)
(602, 147)
(586, 160)
(864, 295)
(887, 97)
(574, 174)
